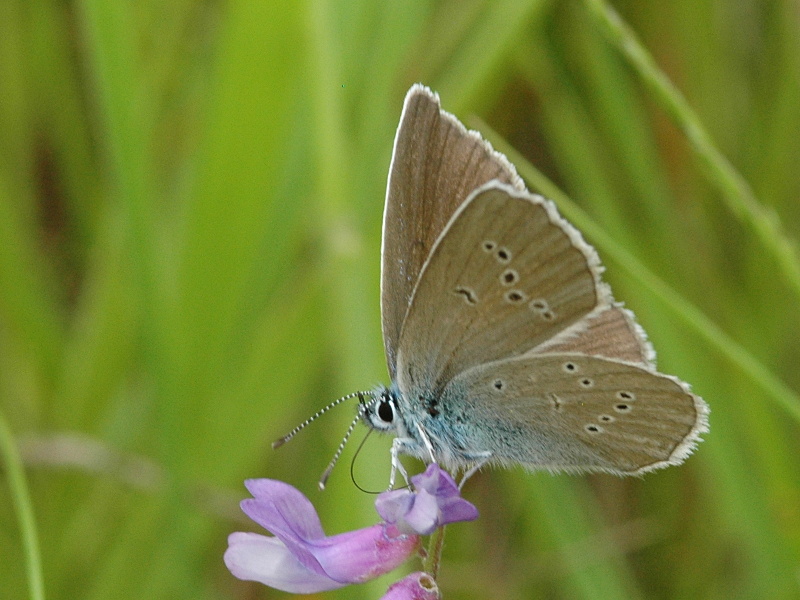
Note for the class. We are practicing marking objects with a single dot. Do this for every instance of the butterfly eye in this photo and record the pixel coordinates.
(386, 411)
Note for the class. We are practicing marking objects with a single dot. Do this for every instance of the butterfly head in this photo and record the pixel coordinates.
(382, 412)
(388, 412)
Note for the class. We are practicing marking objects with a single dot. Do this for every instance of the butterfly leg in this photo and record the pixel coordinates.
(399, 445)
(481, 458)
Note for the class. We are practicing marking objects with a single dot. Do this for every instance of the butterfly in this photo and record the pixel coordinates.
(503, 344)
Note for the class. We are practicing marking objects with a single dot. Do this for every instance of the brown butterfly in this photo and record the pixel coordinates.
(503, 343)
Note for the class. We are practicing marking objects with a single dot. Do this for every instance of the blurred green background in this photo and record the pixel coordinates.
(190, 210)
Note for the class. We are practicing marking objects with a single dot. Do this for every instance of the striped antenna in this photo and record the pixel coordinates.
(281, 441)
(326, 473)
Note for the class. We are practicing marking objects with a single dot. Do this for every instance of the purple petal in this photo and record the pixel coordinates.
(435, 501)
(284, 511)
(455, 510)
(425, 515)
(278, 505)
(458, 511)
(436, 481)
(393, 505)
(416, 586)
(310, 559)
(363, 554)
(254, 557)
(442, 485)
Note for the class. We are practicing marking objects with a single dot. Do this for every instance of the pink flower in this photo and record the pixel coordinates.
(300, 558)
(416, 586)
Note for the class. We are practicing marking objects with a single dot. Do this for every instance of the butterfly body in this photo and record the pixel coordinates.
(503, 343)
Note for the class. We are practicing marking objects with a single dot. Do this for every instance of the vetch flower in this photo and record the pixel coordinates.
(416, 586)
(435, 501)
(301, 559)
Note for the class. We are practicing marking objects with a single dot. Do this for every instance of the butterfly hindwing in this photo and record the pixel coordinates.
(577, 412)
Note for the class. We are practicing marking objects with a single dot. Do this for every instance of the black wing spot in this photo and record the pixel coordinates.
(515, 297)
(470, 297)
(542, 308)
(538, 305)
(509, 277)
(503, 255)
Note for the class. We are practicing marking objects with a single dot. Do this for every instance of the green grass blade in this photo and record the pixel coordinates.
(739, 197)
(21, 496)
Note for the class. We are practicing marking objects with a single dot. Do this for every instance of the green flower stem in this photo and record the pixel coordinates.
(432, 561)
(736, 192)
(24, 509)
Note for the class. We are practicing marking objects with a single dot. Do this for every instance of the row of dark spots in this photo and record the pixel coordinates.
(620, 407)
(503, 255)
(470, 297)
(627, 398)
(507, 278)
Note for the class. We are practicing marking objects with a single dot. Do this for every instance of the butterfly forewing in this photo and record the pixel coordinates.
(435, 165)
(578, 412)
(506, 275)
